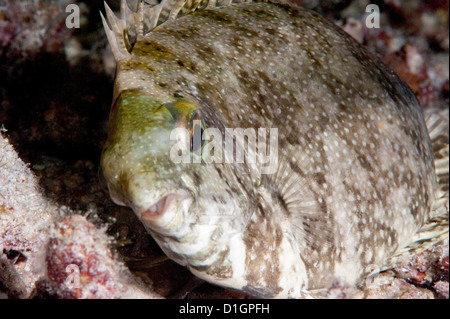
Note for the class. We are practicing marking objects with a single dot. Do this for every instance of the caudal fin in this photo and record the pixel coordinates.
(438, 126)
(436, 229)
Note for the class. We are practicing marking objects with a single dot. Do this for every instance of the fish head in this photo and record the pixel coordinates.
(170, 193)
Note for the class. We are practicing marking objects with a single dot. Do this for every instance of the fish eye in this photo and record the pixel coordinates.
(181, 112)
(196, 128)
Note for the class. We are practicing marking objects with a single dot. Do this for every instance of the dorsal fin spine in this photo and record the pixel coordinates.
(115, 33)
(140, 20)
(176, 10)
(149, 17)
(155, 16)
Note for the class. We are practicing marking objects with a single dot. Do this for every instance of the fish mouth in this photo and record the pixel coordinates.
(159, 208)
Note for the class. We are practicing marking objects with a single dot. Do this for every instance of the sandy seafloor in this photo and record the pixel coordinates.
(55, 213)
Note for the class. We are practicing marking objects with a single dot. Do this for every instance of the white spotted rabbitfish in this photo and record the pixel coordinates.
(354, 183)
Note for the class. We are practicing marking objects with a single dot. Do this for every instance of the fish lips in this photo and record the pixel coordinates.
(159, 208)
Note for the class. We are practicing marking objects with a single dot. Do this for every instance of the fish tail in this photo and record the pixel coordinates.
(436, 228)
(438, 128)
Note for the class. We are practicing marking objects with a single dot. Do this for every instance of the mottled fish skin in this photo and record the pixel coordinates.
(355, 176)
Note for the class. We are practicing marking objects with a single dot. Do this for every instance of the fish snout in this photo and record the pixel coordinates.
(158, 209)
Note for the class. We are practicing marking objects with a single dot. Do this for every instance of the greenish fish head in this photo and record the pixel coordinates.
(142, 169)
(136, 158)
